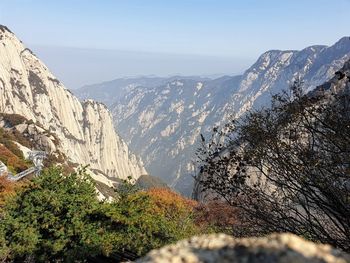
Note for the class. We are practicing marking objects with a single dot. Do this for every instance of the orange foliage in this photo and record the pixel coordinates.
(212, 216)
(12, 160)
(7, 188)
(171, 204)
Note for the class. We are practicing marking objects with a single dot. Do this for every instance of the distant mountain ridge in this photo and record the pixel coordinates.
(85, 130)
(111, 91)
(163, 122)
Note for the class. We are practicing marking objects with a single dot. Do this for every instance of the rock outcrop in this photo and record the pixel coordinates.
(276, 248)
(85, 130)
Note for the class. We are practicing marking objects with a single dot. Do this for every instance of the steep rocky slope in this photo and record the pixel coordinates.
(163, 123)
(85, 130)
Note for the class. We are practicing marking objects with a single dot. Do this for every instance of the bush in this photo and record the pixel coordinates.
(133, 226)
(14, 163)
(170, 203)
(178, 210)
(57, 217)
(50, 219)
(7, 189)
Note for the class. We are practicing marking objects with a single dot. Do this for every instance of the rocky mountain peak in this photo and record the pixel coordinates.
(85, 130)
(342, 43)
(268, 60)
(163, 121)
(171, 122)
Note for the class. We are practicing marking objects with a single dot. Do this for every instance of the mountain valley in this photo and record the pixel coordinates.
(161, 119)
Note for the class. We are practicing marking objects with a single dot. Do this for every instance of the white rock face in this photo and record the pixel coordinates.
(163, 122)
(85, 130)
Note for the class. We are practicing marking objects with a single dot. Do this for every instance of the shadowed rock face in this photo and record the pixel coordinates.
(276, 248)
(85, 130)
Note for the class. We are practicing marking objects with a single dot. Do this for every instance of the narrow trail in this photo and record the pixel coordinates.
(36, 156)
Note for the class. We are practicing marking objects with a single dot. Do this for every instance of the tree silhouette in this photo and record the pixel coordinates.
(287, 167)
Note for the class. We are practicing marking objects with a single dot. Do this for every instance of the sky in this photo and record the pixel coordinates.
(85, 41)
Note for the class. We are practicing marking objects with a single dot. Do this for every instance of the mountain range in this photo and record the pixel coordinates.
(161, 119)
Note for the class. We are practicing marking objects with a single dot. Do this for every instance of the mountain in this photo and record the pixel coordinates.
(111, 91)
(163, 123)
(147, 182)
(85, 130)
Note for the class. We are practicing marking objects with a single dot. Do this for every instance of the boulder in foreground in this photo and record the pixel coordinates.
(275, 248)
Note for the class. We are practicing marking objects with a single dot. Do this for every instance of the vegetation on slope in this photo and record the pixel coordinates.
(10, 154)
(7, 189)
(58, 217)
(176, 209)
(9, 134)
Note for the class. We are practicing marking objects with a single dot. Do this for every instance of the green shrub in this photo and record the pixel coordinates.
(51, 219)
(57, 217)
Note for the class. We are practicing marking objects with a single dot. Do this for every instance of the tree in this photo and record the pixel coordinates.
(50, 218)
(57, 217)
(178, 210)
(143, 220)
(286, 167)
(132, 226)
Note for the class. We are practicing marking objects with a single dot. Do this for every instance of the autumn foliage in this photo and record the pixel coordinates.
(208, 217)
(58, 218)
(13, 162)
(171, 203)
(7, 189)
(175, 208)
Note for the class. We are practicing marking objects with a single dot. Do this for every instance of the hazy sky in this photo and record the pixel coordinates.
(216, 36)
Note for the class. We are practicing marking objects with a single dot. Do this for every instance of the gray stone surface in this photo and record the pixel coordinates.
(281, 248)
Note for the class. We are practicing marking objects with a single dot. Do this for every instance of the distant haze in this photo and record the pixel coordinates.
(76, 67)
(116, 38)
